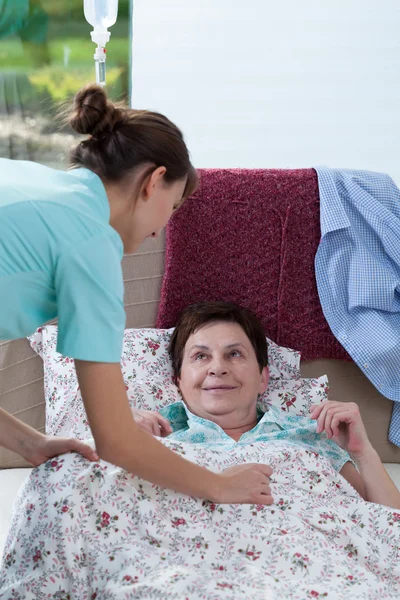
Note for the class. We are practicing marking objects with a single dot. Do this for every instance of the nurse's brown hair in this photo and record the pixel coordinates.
(122, 138)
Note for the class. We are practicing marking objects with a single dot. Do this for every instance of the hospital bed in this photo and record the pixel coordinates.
(21, 378)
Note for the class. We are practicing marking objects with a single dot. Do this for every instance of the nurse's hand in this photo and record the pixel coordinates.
(248, 483)
(152, 422)
(45, 447)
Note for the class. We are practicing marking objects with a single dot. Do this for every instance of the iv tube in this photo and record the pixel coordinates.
(101, 14)
(100, 65)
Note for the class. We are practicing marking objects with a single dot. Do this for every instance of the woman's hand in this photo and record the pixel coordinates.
(342, 423)
(45, 447)
(247, 483)
(152, 422)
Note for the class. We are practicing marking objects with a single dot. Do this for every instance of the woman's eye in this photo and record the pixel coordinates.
(235, 353)
(199, 356)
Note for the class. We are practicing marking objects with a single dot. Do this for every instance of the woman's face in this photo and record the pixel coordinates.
(152, 210)
(220, 376)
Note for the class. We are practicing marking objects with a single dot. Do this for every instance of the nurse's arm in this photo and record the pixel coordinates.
(35, 447)
(120, 441)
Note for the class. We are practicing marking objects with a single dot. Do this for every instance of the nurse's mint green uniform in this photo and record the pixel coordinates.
(60, 257)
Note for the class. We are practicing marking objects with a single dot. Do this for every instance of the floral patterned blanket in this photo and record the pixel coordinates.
(90, 531)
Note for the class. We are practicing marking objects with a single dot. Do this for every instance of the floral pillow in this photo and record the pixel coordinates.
(149, 380)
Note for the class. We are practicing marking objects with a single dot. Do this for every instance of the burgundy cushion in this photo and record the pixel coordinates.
(250, 236)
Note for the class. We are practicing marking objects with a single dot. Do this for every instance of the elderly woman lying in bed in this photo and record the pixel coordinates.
(91, 530)
(219, 356)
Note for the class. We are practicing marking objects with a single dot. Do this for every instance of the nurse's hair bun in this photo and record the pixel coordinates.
(93, 113)
(123, 138)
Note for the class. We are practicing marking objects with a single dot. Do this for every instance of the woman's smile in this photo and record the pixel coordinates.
(219, 389)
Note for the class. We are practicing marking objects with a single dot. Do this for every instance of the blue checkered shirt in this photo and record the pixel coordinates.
(358, 274)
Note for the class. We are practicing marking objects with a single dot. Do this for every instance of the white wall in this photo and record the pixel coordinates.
(274, 83)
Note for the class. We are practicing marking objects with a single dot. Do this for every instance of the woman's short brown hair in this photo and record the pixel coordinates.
(195, 316)
(122, 139)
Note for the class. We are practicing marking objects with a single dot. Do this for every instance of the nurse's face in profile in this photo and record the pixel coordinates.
(145, 212)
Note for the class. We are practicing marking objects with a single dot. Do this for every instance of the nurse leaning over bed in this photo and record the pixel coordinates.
(62, 237)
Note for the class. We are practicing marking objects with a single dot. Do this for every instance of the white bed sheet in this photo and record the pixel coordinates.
(11, 480)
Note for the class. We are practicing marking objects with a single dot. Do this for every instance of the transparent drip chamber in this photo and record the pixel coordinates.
(101, 14)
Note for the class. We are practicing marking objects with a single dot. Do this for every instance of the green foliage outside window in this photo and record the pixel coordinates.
(46, 56)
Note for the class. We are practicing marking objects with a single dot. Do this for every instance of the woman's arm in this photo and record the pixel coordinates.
(120, 441)
(377, 483)
(350, 473)
(35, 447)
(342, 423)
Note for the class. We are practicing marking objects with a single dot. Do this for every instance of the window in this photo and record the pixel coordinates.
(46, 55)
